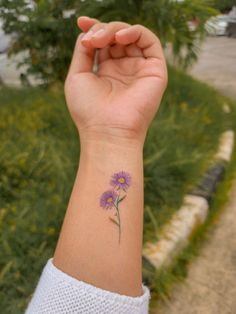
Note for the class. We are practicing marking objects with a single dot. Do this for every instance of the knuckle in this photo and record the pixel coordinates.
(118, 24)
(139, 26)
(96, 20)
(158, 41)
(97, 26)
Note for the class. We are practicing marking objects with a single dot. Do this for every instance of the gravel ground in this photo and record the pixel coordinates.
(211, 285)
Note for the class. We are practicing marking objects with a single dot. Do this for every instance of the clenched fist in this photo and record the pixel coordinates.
(120, 99)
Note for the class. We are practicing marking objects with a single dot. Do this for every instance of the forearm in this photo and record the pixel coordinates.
(90, 247)
(101, 239)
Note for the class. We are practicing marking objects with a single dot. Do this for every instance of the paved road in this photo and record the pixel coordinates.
(217, 64)
(211, 284)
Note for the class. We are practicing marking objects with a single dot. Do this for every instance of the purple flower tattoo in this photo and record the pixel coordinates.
(108, 199)
(121, 180)
(111, 199)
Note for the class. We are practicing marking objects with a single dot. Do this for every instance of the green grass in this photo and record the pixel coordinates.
(180, 145)
(163, 281)
(39, 153)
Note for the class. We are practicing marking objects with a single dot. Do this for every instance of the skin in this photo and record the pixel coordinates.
(112, 110)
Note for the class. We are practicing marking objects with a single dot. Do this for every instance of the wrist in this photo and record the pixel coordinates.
(107, 138)
(107, 155)
(121, 135)
(108, 152)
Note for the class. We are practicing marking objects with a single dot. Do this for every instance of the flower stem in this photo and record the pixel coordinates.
(119, 223)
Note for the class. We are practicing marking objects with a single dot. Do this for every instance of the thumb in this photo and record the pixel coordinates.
(82, 59)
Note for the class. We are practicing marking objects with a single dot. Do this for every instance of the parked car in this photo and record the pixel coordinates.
(231, 29)
(217, 25)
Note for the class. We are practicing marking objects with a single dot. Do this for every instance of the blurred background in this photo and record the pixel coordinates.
(39, 148)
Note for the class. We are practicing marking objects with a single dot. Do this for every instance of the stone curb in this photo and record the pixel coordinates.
(193, 213)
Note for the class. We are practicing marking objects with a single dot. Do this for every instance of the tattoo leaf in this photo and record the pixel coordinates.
(121, 199)
(116, 201)
(114, 221)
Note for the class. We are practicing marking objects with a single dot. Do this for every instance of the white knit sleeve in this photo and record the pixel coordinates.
(59, 293)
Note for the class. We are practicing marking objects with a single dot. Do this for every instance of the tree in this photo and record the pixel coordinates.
(224, 5)
(46, 29)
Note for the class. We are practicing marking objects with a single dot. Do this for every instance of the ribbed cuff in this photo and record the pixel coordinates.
(60, 293)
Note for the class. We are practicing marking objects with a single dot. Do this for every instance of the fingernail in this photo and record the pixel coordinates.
(88, 35)
(99, 33)
(122, 31)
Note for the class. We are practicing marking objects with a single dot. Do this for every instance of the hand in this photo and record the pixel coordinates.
(122, 97)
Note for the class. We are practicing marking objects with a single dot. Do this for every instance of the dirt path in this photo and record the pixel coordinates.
(211, 284)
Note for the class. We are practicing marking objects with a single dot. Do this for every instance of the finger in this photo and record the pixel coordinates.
(101, 34)
(104, 54)
(143, 38)
(117, 51)
(133, 51)
(83, 58)
(85, 23)
(95, 29)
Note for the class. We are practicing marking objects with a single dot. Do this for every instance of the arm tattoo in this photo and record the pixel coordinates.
(111, 199)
